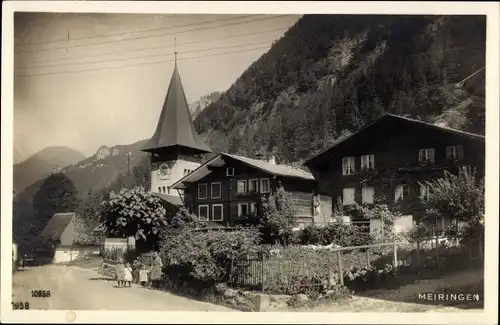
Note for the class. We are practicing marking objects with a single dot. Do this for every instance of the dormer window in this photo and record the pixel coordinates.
(426, 156)
(368, 162)
(348, 166)
(229, 171)
(455, 152)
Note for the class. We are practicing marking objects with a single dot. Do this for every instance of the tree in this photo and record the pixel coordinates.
(88, 218)
(134, 213)
(279, 214)
(460, 196)
(57, 194)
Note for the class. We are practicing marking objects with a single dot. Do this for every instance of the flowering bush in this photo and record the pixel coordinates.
(134, 213)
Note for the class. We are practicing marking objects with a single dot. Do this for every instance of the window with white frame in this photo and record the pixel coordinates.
(215, 190)
(348, 165)
(203, 213)
(402, 192)
(367, 194)
(242, 209)
(217, 212)
(348, 196)
(242, 186)
(424, 191)
(426, 155)
(159, 189)
(265, 185)
(367, 161)
(253, 184)
(202, 191)
(229, 171)
(455, 152)
(253, 207)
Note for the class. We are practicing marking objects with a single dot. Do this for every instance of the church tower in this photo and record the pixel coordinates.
(175, 147)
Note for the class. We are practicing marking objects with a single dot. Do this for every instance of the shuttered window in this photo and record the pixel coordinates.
(402, 192)
(367, 194)
(348, 196)
(368, 162)
(426, 155)
(348, 167)
(455, 152)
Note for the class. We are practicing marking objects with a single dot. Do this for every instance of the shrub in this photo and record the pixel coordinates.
(337, 233)
(279, 214)
(205, 256)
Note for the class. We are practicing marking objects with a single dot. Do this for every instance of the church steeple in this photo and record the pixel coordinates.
(175, 146)
(175, 127)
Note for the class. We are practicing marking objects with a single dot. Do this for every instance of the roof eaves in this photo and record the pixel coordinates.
(180, 181)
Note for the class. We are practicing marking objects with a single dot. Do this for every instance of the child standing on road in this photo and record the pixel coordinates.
(128, 274)
(143, 275)
(120, 273)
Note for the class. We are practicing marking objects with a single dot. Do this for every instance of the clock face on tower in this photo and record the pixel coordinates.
(164, 171)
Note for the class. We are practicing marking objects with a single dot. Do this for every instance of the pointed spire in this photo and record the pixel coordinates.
(175, 126)
(175, 51)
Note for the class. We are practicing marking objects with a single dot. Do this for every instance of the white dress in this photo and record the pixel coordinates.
(128, 274)
(143, 275)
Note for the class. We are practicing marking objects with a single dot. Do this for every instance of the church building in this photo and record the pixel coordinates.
(176, 148)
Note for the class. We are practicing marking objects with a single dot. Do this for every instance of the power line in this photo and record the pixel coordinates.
(143, 57)
(147, 36)
(159, 46)
(138, 64)
(131, 32)
(460, 83)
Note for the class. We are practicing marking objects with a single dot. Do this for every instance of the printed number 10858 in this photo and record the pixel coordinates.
(40, 293)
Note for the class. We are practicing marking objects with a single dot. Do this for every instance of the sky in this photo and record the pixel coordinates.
(87, 80)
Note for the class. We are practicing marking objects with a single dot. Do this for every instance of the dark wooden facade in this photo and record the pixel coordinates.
(395, 143)
(302, 191)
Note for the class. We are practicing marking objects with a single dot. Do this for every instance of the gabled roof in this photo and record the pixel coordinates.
(444, 129)
(57, 225)
(268, 167)
(175, 126)
(172, 199)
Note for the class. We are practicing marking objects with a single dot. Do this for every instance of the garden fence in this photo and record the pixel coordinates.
(291, 271)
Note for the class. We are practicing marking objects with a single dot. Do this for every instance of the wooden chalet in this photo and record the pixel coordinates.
(392, 159)
(229, 188)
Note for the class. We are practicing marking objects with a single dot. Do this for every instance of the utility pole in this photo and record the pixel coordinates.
(129, 158)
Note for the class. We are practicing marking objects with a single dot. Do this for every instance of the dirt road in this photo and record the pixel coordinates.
(405, 299)
(73, 288)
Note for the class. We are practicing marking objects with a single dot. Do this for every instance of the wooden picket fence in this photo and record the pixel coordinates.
(269, 272)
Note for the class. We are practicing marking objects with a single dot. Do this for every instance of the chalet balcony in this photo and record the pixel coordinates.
(388, 173)
(429, 166)
(248, 194)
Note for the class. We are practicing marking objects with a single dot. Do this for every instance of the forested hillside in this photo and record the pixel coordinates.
(330, 74)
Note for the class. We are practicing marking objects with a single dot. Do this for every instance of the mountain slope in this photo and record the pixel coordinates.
(199, 105)
(330, 74)
(41, 164)
(98, 171)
